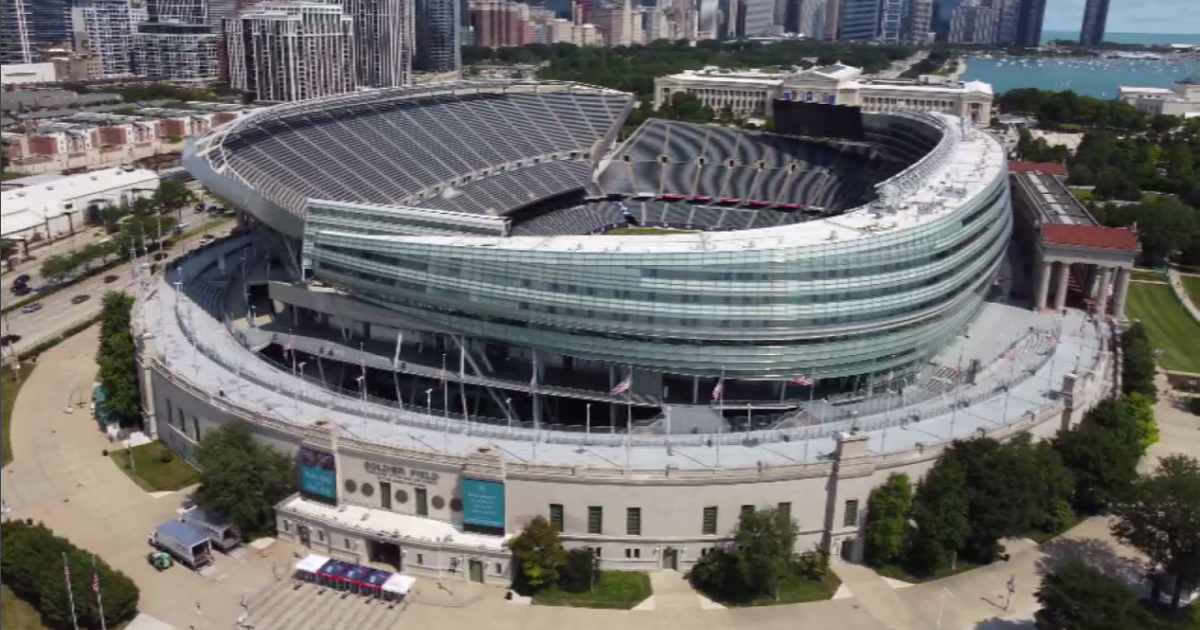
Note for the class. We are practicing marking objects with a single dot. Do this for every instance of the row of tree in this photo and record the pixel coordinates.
(1123, 165)
(982, 490)
(117, 358)
(1138, 367)
(1068, 110)
(37, 564)
(633, 68)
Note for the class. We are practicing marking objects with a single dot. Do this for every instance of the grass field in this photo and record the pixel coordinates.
(16, 613)
(620, 590)
(1169, 327)
(1152, 275)
(151, 472)
(796, 590)
(646, 230)
(1191, 284)
(1082, 194)
(8, 397)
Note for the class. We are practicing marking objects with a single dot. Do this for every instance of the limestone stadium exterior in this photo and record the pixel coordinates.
(466, 305)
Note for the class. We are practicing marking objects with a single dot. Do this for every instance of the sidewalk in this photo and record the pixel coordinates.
(1177, 286)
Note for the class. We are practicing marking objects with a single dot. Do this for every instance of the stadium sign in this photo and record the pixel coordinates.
(401, 474)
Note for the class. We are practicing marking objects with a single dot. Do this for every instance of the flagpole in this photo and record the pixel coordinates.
(720, 414)
(70, 591)
(96, 587)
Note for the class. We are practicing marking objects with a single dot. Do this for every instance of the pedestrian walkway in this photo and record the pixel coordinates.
(672, 591)
(877, 596)
(1177, 286)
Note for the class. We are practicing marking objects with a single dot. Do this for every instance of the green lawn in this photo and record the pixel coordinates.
(1082, 194)
(619, 590)
(797, 590)
(8, 397)
(1191, 284)
(16, 613)
(1152, 275)
(1169, 327)
(647, 230)
(150, 472)
(7, 175)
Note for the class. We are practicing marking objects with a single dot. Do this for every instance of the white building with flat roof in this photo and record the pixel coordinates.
(20, 73)
(752, 91)
(52, 208)
(1181, 99)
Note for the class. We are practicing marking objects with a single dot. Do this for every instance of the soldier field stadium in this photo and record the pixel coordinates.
(464, 305)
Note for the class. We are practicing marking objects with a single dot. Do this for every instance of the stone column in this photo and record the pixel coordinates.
(1102, 294)
(1089, 284)
(1060, 291)
(1118, 309)
(1043, 286)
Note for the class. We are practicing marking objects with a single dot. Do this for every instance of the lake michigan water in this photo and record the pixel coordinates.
(1088, 76)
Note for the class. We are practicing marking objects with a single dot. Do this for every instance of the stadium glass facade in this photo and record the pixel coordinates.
(874, 289)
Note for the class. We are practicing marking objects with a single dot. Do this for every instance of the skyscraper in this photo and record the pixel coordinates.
(290, 51)
(1030, 16)
(51, 21)
(173, 51)
(859, 20)
(891, 20)
(108, 27)
(181, 11)
(974, 22)
(1095, 20)
(438, 25)
(16, 31)
(384, 33)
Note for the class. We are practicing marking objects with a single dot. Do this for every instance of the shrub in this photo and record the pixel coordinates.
(580, 572)
(32, 565)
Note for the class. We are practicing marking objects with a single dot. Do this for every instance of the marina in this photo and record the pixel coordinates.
(1089, 76)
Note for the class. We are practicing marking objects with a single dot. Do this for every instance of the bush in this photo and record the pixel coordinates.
(1138, 363)
(32, 565)
(166, 456)
(539, 554)
(580, 572)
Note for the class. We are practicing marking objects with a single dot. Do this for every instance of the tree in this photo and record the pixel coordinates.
(1102, 455)
(117, 358)
(172, 195)
(539, 554)
(1077, 597)
(1137, 363)
(939, 516)
(1136, 410)
(57, 265)
(242, 479)
(580, 571)
(887, 520)
(1160, 516)
(766, 543)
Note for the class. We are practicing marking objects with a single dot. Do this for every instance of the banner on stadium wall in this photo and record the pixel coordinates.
(483, 503)
(318, 476)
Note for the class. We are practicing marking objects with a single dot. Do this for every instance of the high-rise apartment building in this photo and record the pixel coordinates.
(759, 17)
(918, 21)
(1030, 16)
(499, 23)
(891, 20)
(384, 34)
(181, 11)
(107, 29)
(973, 22)
(1095, 20)
(172, 51)
(438, 26)
(290, 51)
(812, 18)
(618, 22)
(859, 20)
(16, 31)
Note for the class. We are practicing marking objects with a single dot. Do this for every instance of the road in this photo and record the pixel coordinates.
(58, 313)
(898, 67)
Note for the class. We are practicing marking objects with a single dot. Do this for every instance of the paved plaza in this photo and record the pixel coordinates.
(61, 477)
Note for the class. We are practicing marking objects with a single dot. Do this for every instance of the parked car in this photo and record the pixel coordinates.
(80, 299)
(5, 340)
(111, 278)
(22, 279)
(31, 308)
(21, 289)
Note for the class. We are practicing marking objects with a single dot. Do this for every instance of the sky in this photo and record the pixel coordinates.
(1130, 16)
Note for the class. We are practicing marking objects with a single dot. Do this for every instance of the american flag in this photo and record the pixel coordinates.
(95, 581)
(623, 386)
(801, 379)
(66, 568)
(1009, 354)
(719, 390)
(287, 349)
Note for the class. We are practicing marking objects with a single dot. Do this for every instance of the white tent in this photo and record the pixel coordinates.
(399, 584)
(311, 564)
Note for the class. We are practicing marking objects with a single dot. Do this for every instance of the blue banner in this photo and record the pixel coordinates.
(483, 503)
(318, 476)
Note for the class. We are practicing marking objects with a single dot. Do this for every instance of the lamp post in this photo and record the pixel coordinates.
(508, 410)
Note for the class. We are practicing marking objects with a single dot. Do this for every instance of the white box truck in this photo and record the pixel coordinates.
(186, 543)
(223, 533)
